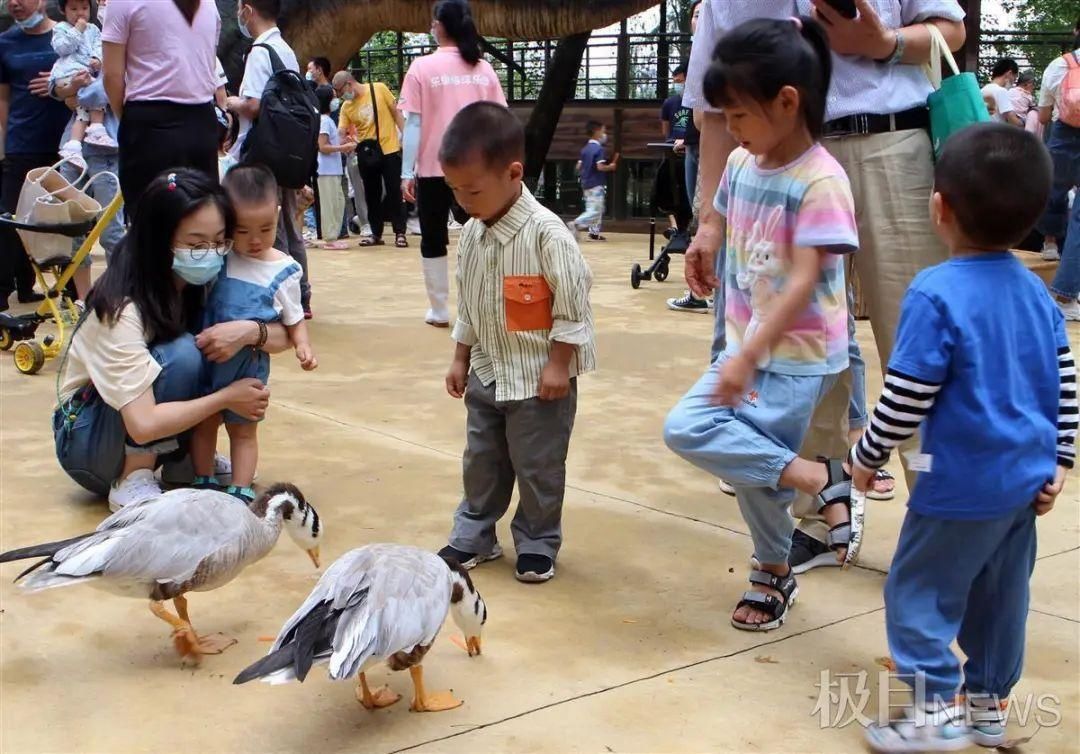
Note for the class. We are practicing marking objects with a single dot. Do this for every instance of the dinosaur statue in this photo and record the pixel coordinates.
(338, 28)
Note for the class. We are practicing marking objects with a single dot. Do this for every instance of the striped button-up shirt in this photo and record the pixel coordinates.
(529, 243)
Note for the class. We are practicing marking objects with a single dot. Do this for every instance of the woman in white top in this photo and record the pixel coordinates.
(331, 172)
(131, 381)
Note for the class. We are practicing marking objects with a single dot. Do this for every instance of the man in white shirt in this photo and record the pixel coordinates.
(258, 21)
(1002, 78)
(1064, 146)
(877, 127)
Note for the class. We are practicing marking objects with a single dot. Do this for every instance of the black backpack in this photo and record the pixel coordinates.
(285, 136)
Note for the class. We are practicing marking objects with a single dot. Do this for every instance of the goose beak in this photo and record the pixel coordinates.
(313, 553)
(472, 644)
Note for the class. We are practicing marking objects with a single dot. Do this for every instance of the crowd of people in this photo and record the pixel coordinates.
(807, 145)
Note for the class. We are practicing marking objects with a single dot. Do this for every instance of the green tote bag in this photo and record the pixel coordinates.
(957, 101)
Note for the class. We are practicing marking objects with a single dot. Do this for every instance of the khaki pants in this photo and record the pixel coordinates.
(892, 178)
(331, 205)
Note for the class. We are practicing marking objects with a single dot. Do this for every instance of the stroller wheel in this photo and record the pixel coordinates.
(7, 340)
(661, 272)
(635, 276)
(29, 357)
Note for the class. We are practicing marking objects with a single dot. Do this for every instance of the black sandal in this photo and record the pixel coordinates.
(768, 603)
(839, 491)
(401, 241)
(372, 241)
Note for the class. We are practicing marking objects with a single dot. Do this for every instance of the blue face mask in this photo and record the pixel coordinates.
(243, 27)
(196, 271)
(29, 23)
(676, 88)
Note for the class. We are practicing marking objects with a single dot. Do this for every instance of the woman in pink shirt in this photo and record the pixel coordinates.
(436, 87)
(160, 74)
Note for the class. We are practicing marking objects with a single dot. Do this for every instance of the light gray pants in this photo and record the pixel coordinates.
(523, 440)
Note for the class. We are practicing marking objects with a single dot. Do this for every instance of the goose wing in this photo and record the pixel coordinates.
(165, 540)
(382, 599)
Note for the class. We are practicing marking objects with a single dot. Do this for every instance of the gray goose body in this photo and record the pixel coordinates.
(379, 602)
(185, 540)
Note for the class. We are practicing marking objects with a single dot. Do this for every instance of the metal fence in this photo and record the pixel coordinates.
(647, 59)
(1032, 50)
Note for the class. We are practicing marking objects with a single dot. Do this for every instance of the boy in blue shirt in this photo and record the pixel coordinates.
(982, 362)
(592, 167)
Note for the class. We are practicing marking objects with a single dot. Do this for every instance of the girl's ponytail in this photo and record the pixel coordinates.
(814, 33)
(456, 18)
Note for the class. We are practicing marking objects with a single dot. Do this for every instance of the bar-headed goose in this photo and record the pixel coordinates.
(379, 602)
(186, 540)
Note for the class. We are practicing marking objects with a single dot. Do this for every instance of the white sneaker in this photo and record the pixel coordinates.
(1050, 251)
(413, 226)
(72, 152)
(138, 487)
(1071, 310)
(99, 137)
(725, 487)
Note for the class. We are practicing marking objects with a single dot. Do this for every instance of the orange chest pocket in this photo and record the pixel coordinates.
(528, 303)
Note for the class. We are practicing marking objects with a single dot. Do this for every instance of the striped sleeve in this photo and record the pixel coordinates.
(904, 403)
(1068, 413)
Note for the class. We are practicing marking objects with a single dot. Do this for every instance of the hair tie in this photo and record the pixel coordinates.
(171, 178)
(797, 21)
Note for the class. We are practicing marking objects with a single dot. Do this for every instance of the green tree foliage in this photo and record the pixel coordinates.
(1051, 21)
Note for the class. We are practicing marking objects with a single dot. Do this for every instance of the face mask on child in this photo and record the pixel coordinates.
(309, 76)
(29, 23)
(243, 27)
(602, 138)
(196, 271)
(335, 104)
(676, 88)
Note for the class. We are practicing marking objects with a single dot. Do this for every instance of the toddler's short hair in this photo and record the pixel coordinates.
(250, 184)
(996, 178)
(486, 131)
(593, 126)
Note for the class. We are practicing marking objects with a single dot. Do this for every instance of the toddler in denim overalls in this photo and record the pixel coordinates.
(259, 283)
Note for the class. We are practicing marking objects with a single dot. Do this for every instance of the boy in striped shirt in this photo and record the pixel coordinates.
(524, 332)
(982, 362)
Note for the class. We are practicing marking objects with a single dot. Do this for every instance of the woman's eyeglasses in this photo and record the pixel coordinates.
(200, 250)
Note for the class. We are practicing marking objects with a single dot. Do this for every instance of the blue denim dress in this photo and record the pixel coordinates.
(232, 299)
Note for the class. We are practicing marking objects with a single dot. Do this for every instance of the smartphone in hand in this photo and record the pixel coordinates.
(845, 8)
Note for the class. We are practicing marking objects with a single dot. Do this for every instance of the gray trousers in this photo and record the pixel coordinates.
(523, 440)
(291, 241)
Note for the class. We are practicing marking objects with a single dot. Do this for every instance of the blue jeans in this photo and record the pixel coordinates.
(963, 580)
(750, 445)
(693, 156)
(593, 216)
(103, 191)
(91, 441)
(857, 414)
(1057, 221)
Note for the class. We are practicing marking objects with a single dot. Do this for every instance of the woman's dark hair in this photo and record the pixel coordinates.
(140, 271)
(456, 18)
(189, 8)
(757, 59)
(325, 97)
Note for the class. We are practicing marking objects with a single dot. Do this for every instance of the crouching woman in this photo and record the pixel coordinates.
(131, 384)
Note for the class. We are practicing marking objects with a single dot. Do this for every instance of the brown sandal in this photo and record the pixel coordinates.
(401, 241)
(372, 241)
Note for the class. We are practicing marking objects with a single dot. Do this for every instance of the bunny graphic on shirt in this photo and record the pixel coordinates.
(763, 267)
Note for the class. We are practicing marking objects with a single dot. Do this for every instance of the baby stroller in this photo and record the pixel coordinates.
(51, 212)
(669, 196)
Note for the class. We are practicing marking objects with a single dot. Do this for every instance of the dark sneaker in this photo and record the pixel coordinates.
(807, 553)
(534, 569)
(31, 297)
(470, 560)
(596, 237)
(689, 303)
